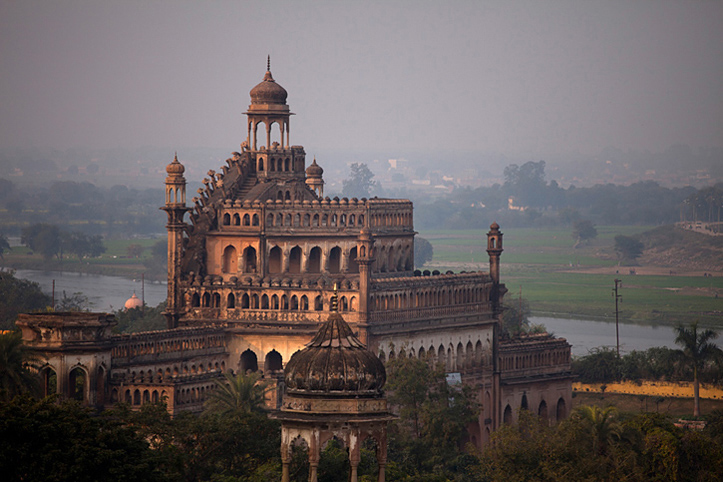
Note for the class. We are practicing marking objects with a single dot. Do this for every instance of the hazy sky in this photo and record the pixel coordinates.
(514, 77)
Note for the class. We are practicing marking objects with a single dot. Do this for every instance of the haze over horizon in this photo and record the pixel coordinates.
(521, 78)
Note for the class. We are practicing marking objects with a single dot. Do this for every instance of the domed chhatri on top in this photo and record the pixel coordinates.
(335, 362)
(314, 170)
(268, 91)
(175, 168)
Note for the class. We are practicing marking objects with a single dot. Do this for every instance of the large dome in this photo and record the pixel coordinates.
(268, 92)
(335, 362)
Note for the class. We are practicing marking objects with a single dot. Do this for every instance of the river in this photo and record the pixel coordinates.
(108, 293)
(585, 335)
(105, 293)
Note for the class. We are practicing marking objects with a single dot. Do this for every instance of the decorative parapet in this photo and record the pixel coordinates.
(66, 330)
(167, 344)
(536, 355)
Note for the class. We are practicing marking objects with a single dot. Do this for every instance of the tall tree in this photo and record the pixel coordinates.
(4, 246)
(360, 181)
(15, 362)
(583, 231)
(44, 239)
(423, 251)
(19, 296)
(628, 249)
(698, 349)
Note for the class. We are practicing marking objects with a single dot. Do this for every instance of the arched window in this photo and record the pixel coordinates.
(249, 260)
(507, 417)
(77, 384)
(333, 220)
(275, 260)
(295, 260)
(284, 303)
(561, 409)
(231, 301)
(264, 302)
(316, 220)
(304, 303)
(273, 361)
(353, 304)
(236, 220)
(353, 265)
(206, 300)
(314, 263)
(274, 302)
(245, 301)
(307, 220)
(335, 260)
(542, 410)
(294, 303)
(352, 218)
(226, 219)
(216, 300)
(287, 196)
(255, 220)
(287, 166)
(318, 303)
(343, 304)
(247, 220)
(255, 302)
(261, 165)
(195, 300)
(524, 405)
(269, 220)
(230, 260)
(248, 362)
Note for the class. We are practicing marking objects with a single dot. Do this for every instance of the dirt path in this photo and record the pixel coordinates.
(644, 270)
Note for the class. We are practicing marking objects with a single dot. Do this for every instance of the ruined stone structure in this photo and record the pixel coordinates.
(250, 276)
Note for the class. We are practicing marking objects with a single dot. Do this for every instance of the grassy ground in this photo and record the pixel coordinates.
(561, 281)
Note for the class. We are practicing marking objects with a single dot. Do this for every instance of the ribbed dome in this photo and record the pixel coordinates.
(335, 361)
(268, 92)
(314, 170)
(175, 168)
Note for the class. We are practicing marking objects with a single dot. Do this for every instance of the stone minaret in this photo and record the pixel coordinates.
(364, 258)
(494, 250)
(176, 208)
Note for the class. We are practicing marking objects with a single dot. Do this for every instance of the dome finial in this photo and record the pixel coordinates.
(268, 63)
(334, 300)
(175, 156)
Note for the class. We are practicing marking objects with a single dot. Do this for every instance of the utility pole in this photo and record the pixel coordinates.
(618, 298)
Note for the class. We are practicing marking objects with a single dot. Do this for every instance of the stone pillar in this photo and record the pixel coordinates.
(365, 258)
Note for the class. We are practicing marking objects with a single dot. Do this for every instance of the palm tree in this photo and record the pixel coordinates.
(603, 426)
(236, 394)
(697, 350)
(15, 361)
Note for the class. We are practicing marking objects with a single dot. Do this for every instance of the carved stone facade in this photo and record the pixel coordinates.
(250, 277)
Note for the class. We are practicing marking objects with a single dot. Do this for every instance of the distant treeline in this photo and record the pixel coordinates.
(527, 199)
(114, 211)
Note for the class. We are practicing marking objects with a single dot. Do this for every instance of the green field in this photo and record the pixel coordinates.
(553, 277)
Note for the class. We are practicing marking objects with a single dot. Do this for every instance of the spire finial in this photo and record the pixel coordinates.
(334, 300)
(175, 156)
(268, 63)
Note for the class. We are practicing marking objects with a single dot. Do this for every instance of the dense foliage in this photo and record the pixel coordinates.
(601, 444)
(19, 296)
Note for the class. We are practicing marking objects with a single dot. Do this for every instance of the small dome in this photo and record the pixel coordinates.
(133, 302)
(314, 170)
(268, 92)
(335, 362)
(175, 168)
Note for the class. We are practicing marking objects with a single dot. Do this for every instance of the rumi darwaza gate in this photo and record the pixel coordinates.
(250, 277)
